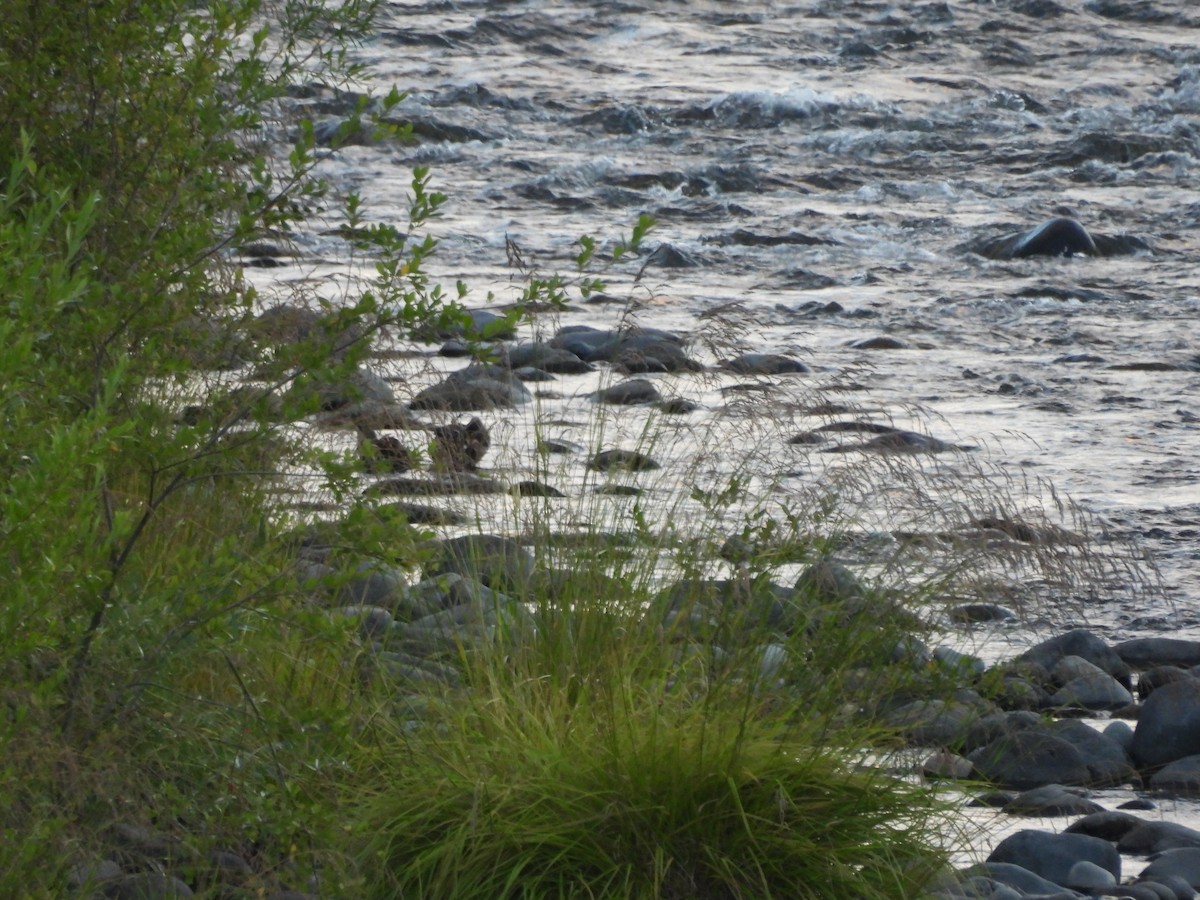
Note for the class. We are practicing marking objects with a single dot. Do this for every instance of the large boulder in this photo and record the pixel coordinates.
(1169, 725)
(1083, 643)
(1029, 759)
(499, 563)
(1052, 856)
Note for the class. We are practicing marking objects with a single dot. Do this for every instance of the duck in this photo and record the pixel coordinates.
(386, 453)
(458, 447)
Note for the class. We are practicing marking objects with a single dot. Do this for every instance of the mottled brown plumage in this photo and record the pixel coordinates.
(384, 454)
(458, 447)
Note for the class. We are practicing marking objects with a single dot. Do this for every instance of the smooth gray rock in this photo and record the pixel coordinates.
(1051, 800)
(497, 562)
(1029, 759)
(1183, 862)
(764, 364)
(1052, 855)
(1089, 877)
(1108, 762)
(1180, 778)
(1094, 691)
(370, 584)
(827, 581)
(1079, 642)
(1169, 725)
(1148, 836)
(1152, 679)
(546, 357)
(936, 723)
(622, 460)
(1108, 825)
(632, 392)
(1147, 653)
(1018, 877)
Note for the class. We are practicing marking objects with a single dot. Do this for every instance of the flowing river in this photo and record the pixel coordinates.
(831, 181)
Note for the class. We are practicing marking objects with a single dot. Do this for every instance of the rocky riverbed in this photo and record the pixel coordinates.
(860, 286)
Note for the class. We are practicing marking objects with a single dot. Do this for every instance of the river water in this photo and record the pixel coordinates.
(822, 173)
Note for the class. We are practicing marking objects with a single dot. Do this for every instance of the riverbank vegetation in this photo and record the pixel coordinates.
(179, 709)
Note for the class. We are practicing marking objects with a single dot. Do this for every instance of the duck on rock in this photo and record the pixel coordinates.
(459, 448)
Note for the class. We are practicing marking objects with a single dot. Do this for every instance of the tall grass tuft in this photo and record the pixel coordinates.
(594, 754)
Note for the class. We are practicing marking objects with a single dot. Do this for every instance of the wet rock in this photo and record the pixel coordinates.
(1053, 855)
(536, 489)
(1028, 759)
(1107, 760)
(362, 386)
(410, 670)
(1062, 236)
(1017, 692)
(668, 256)
(1090, 878)
(633, 392)
(677, 406)
(898, 441)
(559, 446)
(807, 438)
(372, 415)
(882, 342)
(764, 364)
(636, 349)
(1169, 725)
(1019, 878)
(367, 584)
(548, 358)
(937, 723)
(1176, 887)
(498, 562)
(973, 613)
(622, 460)
(1147, 836)
(1152, 679)
(964, 665)
(478, 387)
(944, 764)
(1183, 862)
(654, 356)
(1093, 691)
(1107, 825)
(828, 582)
(1051, 800)
(1082, 643)
(420, 514)
(439, 593)
(1147, 653)
(437, 486)
(1180, 778)
(702, 605)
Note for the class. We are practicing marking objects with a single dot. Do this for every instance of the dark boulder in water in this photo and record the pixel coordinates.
(1058, 237)
(1062, 236)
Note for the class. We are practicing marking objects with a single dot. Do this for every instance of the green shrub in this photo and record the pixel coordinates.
(595, 756)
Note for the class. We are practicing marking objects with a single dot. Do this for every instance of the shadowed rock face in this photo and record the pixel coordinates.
(1058, 237)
